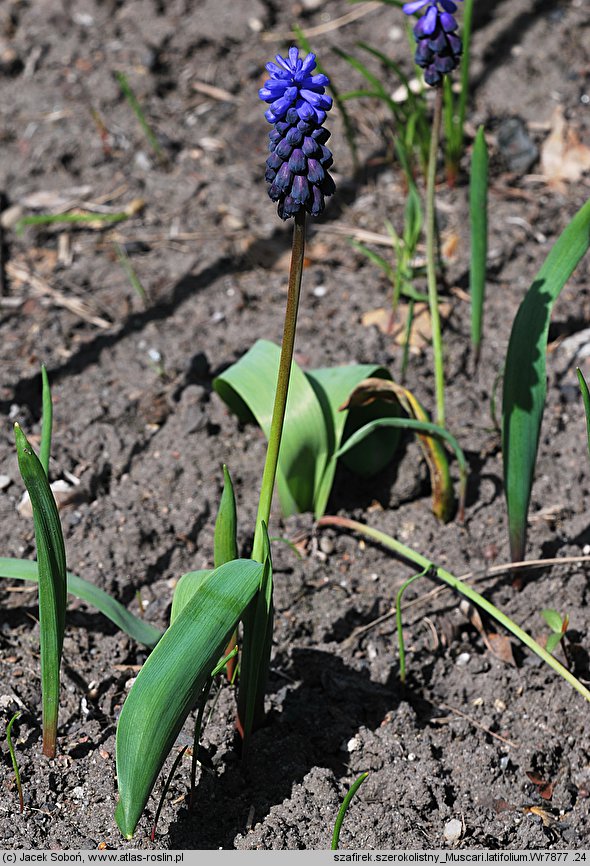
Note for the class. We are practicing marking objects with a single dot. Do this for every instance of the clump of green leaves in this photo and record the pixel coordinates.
(353, 412)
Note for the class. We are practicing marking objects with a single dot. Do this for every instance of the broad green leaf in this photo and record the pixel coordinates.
(188, 586)
(138, 629)
(478, 217)
(225, 544)
(314, 426)
(248, 387)
(525, 374)
(586, 402)
(171, 680)
(51, 556)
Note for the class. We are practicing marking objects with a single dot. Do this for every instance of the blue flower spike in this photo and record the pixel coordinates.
(438, 47)
(297, 168)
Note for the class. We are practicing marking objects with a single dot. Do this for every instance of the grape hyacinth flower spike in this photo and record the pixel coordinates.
(438, 47)
(297, 168)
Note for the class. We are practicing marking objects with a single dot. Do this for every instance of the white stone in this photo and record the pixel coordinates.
(453, 830)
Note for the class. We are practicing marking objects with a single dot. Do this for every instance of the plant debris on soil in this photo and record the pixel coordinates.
(480, 749)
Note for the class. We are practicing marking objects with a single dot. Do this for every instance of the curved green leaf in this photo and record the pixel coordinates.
(138, 629)
(420, 427)
(525, 384)
(170, 681)
(248, 387)
(51, 556)
(314, 425)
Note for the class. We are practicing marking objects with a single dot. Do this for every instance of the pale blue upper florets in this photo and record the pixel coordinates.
(297, 168)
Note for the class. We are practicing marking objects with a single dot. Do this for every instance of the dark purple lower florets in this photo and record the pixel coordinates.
(297, 168)
(439, 48)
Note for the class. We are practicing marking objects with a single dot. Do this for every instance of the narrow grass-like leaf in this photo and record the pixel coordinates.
(586, 401)
(442, 488)
(225, 543)
(12, 752)
(51, 558)
(257, 625)
(399, 625)
(171, 680)
(344, 809)
(478, 218)
(434, 571)
(133, 101)
(138, 629)
(131, 274)
(349, 130)
(47, 421)
(51, 219)
(525, 383)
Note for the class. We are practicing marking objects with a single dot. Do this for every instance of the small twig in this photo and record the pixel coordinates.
(325, 28)
(214, 92)
(476, 724)
(41, 288)
(493, 571)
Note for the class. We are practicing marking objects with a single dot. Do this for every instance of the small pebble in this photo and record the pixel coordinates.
(326, 545)
(5, 482)
(353, 745)
(142, 161)
(453, 830)
(319, 291)
(78, 792)
(462, 660)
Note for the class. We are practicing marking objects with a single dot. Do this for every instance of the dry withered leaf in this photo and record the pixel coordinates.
(375, 388)
(498, 644)
(395, 326)
(563, 155)
(544, 788)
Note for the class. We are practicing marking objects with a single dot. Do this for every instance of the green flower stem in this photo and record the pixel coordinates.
(439, 380)
(458, 586)
(257, 620)
(280, 404)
